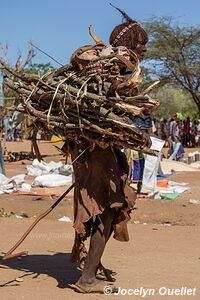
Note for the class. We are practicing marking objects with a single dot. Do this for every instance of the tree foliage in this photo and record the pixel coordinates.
(22, 64)
(173, 99)
(174, 55)
(38, 68)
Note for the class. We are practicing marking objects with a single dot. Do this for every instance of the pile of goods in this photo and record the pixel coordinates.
(94, 97)
(12, 156)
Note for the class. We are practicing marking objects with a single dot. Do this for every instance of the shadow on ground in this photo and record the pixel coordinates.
(57, 266)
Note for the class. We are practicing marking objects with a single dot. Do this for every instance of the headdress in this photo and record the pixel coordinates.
(128, 33)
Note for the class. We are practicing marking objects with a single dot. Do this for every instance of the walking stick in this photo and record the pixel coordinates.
(9, 254)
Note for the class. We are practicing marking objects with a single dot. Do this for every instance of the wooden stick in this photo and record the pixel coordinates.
(9, 254)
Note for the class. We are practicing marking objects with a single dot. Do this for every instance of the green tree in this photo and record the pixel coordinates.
(174, 99)
(21, 65)
(38, 68)
(174, 55)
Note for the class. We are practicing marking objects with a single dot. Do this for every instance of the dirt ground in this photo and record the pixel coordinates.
(163, 251)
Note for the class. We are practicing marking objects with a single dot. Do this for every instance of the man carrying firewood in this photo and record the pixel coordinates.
(102, 199)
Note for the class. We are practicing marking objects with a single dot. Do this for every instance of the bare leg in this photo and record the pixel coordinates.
(139, 187)
(100, 234)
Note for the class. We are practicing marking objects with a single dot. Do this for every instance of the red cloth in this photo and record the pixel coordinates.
(186, 127)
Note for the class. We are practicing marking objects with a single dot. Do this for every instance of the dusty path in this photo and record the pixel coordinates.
(156, 256)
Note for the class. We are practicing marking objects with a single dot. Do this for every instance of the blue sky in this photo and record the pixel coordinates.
(60, 26)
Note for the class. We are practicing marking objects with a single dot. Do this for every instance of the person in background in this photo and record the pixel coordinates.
(170, 141)
(179, 151)
(17, 121)
(17, 133)
(186, 132)
(176, 147)
(173, 133)
(194, 131)
(163, 130)
(197, 137)
(155, 127)
(136, 161)
(7, 126)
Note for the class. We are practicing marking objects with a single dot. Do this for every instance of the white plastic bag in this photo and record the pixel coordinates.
(42, 168)
(52, 180)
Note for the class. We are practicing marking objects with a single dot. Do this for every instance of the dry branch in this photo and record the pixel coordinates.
(88, 99)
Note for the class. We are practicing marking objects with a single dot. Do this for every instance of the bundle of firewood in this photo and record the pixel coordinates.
(88, 98)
